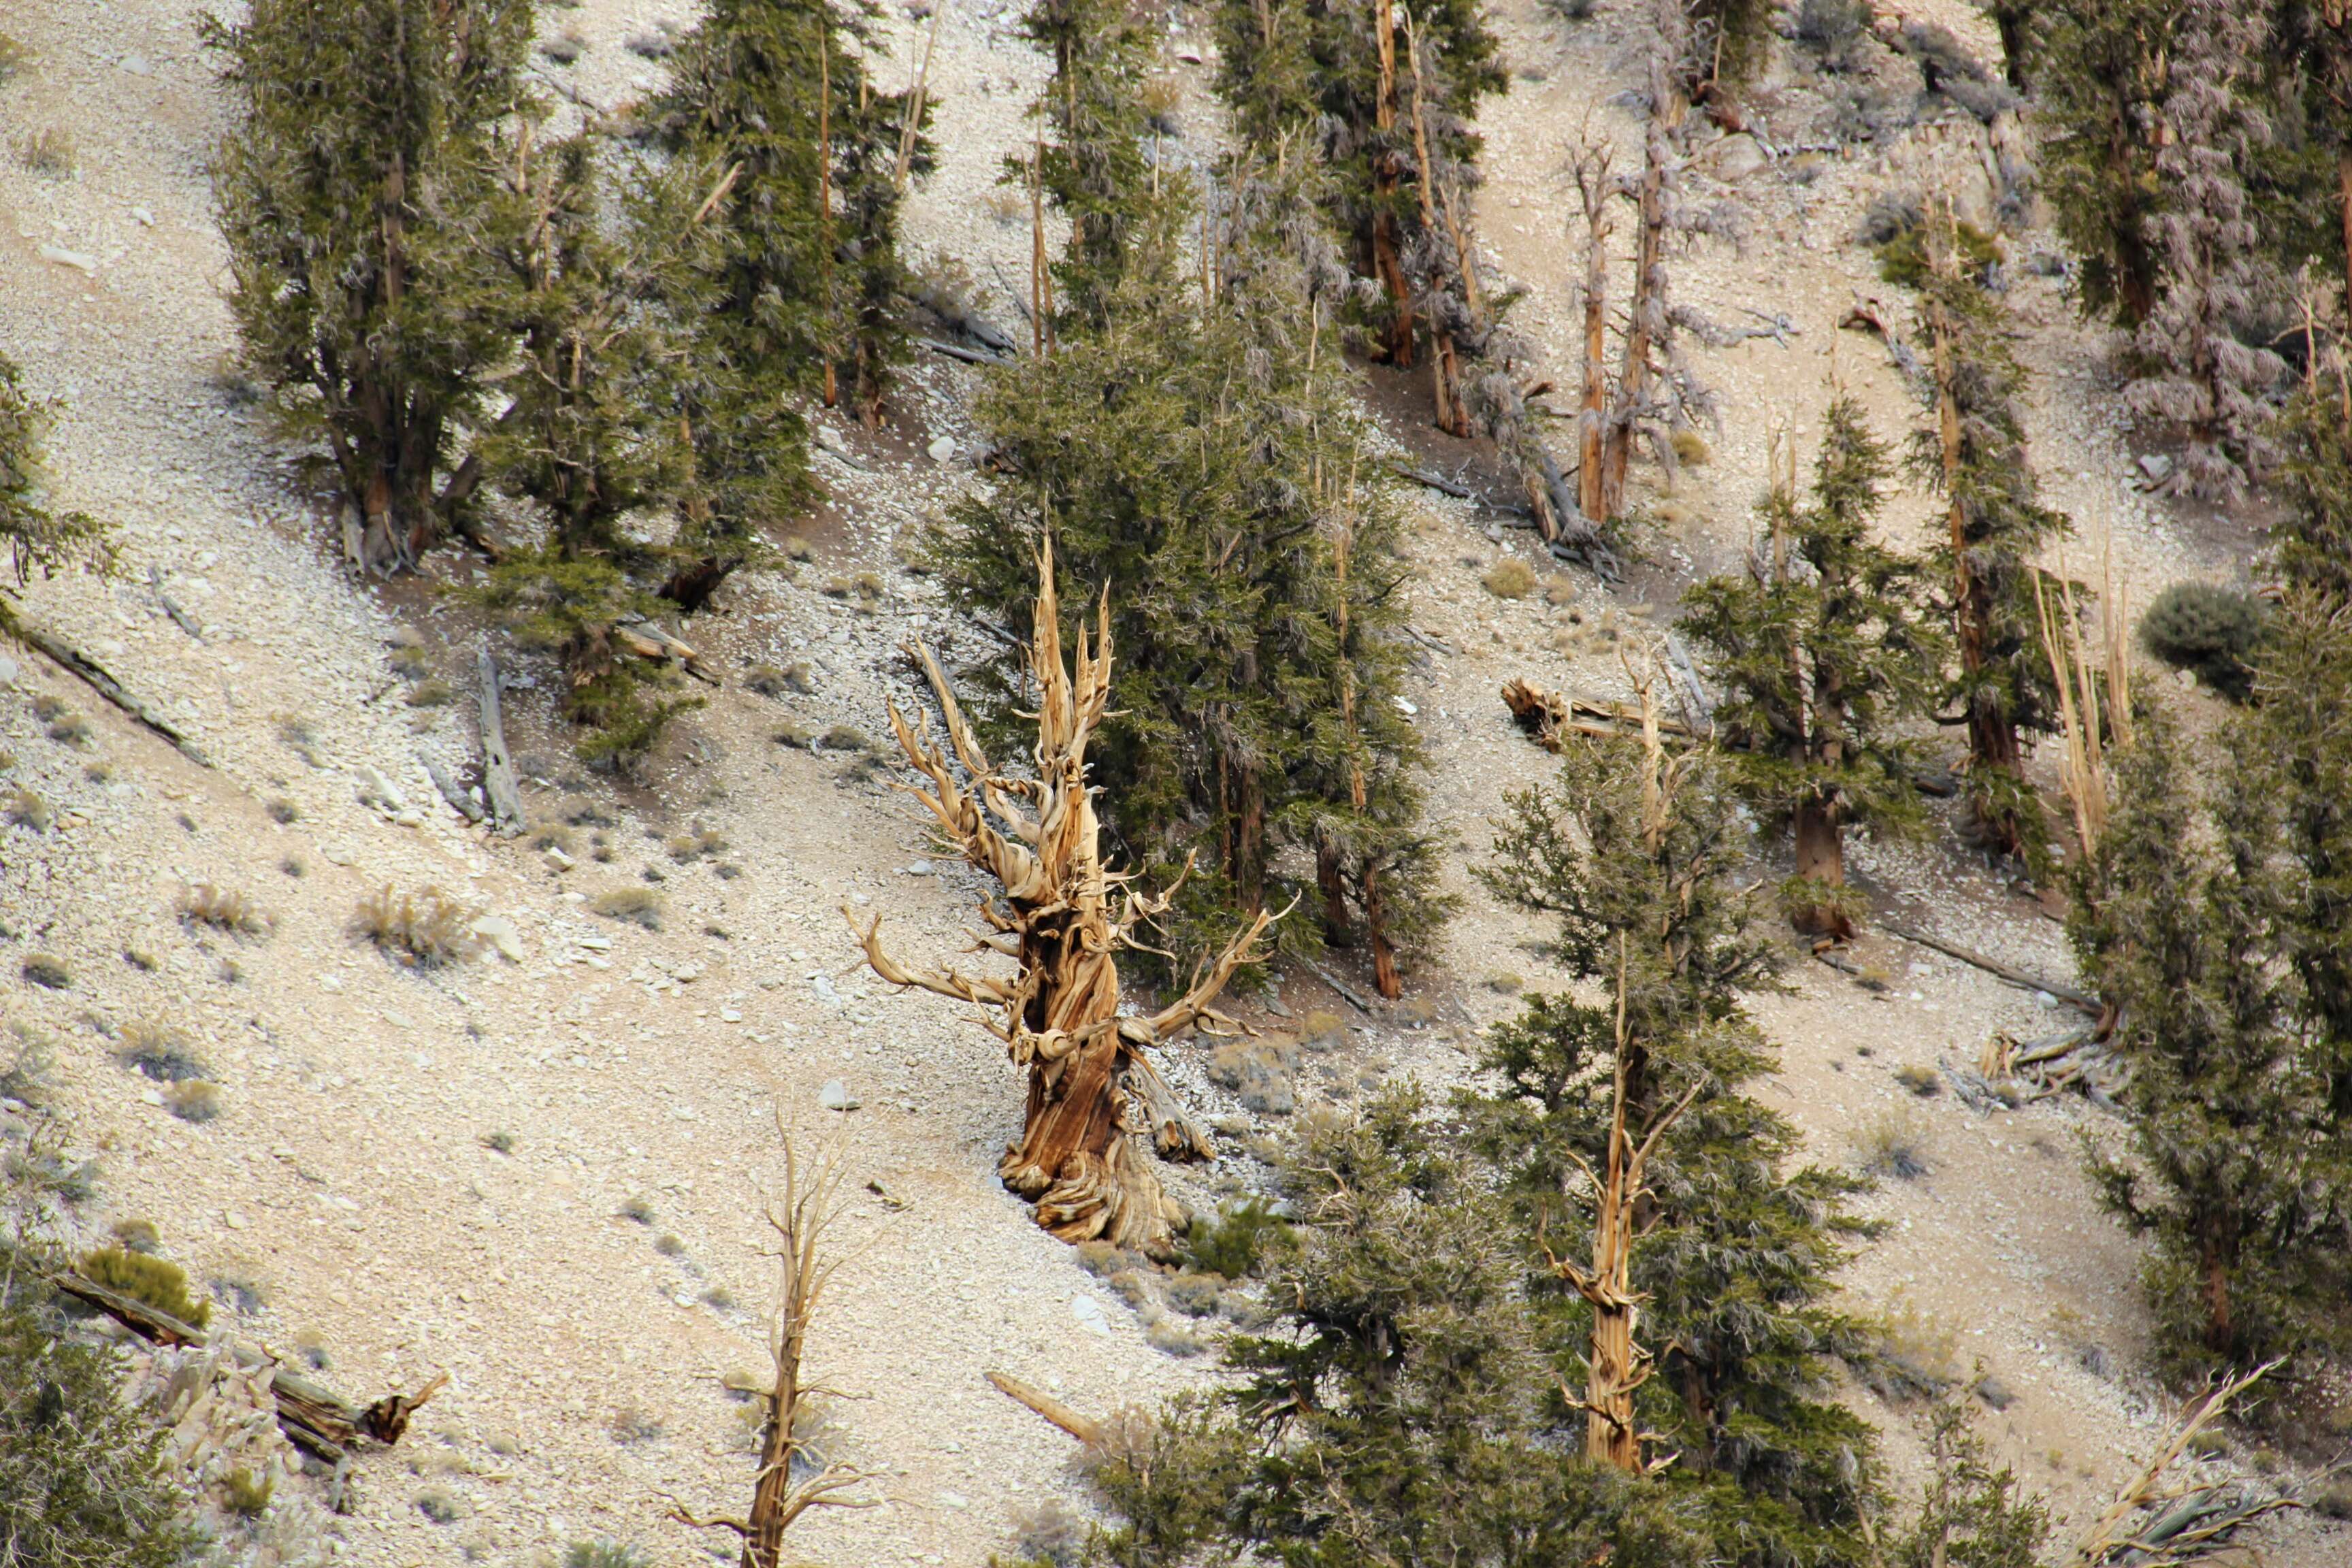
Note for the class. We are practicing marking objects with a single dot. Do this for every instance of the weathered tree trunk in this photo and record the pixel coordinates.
(1386, 980)
(1649, 290)
(1618, 1365)
(1592, 417)
(689, 587)
(799, 1214)
(1386, 263)
(1093, 1094)
(1331, 882)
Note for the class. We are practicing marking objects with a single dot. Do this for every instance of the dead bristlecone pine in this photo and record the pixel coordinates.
(1095, 1096)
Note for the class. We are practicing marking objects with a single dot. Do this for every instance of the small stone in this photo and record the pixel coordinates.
(2156, 467)
(1733, 158)
(557, 860)
(941, 449)
(836, 1096)
(146, 219)
(730, 1015)
(81, 260)
(500, 933)
(1089, 1314)
(137, 65)
(919, 868)
(231, 1219)
(8, 671)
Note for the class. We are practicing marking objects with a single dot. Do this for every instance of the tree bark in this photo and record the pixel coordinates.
(1821, 859)
(1592, 417)
(1386, 980)
(689, 587)
(1649, 286)
(1064, 916)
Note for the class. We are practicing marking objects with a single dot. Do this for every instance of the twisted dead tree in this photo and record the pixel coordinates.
(811, 1201)
(1095, 1096)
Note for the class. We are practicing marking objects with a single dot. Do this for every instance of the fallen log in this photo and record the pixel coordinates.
(1085, 1428)
(180, 617)
(499, 783)
(1347, 993)
(1547, 716)
(314, 1417)
(96, 676)
(648, 640)
(465, 804)
(1999, 970)
(958, 352)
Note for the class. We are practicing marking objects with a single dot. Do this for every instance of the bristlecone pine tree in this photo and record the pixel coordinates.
(1737, 1251)
(1096, 1101)
(2192, 374)
(1207, 451)
(1993, 525)
(1399, 1409)
(1823, 647)
(34, 537)
(2099, 82)
(605, 308)
(809, 275)
(2186, 920)
(1971, 1513)
(360, 189)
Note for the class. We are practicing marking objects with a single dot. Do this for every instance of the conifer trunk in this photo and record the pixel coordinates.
(1649, 266)
(2344, 209)
(1821, 859)
(1386, 264)
(1593, 420)
(1093, 1096)
(1386, 980)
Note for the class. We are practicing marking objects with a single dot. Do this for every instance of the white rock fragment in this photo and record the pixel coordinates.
(836, 1096)
(64, 258)
(501, 934)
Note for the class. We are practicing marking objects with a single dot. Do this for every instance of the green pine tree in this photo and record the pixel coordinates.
(1394, 1411)
(1202, 461)
(1971, 1514)
(808, 279)
(2100, 84)
(2235, 1169)
(1971, 451)
(1823, 647)
(1637, 860)
(1092, 134)
(1393, 93)
(594, 437)
(360, 193)
(34, 537)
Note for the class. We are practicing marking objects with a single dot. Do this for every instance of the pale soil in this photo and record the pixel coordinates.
(347, 1178)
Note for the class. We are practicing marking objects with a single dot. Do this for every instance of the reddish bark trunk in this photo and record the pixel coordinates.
(1821, 859)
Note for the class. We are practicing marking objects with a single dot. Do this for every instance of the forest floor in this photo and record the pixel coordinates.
(350, 1187)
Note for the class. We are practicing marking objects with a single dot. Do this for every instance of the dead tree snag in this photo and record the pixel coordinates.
(1094, 1095)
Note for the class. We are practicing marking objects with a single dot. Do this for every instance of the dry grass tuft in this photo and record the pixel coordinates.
(195, 1102)
(1510, 578)
(640, 905)
(159, 1050)
(223, 909)
(48, 971)
(49, 153)
(425, 930)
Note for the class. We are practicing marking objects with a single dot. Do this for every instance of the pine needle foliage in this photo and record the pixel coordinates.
(1741, 1246)
(1823, 647)
(84, 1477)
(1342, 72)
(1972, 1513)
(2313, 540)
(360, 193)
(1201, 461)
(2099, 81)
(1970, 450)
(595, 437)
(1094, 128)
(2184, 920)
(1395, 1413)
(33, 536)
(810, 272)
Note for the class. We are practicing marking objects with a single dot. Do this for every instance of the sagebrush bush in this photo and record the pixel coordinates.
(194, 1101)
(2208, 629)
(427, 928)
(82, 1475)
(159, 1282)
(1510, 578)
(48, 971)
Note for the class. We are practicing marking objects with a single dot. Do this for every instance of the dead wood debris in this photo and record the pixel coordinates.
(314, 1418)
(2165, 1518)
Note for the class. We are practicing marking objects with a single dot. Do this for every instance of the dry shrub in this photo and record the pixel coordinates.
(49, 971)
(159, 1051)
(223, 909)
(25, 809)
(194, 1100)
(427, 928)
(1893, 1144)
